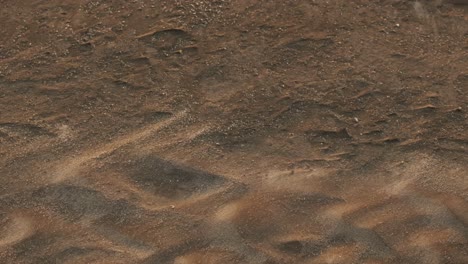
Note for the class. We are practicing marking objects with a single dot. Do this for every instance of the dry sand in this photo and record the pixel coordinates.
(244, 131)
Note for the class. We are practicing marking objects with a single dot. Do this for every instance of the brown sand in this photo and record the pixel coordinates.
(244, 131)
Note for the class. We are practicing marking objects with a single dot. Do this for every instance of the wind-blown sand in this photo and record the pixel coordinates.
(233, 131)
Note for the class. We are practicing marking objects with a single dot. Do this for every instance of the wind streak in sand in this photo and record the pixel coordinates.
(19, 229)
(69, 168)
